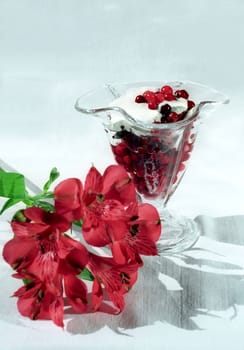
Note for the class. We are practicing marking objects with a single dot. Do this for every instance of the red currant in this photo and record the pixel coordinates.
(182, 93)
(169, 97)
(140, 99)
(181, 167)
(152, 105)
(165, 109)
(159, 97)
(149, 95)
(164, 120)
(190, 104)
(166, 89)
(182, 115)
(173, 117)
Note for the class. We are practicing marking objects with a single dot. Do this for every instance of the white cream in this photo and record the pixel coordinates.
(140, 111)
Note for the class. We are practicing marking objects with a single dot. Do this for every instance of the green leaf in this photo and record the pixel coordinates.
(9, 203)
(27, 280)
(54, 174)
(19, 216)
(86, 275)
(77, 223)
(12, 185)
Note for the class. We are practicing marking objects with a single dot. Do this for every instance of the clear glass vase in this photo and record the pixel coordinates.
(155, 155)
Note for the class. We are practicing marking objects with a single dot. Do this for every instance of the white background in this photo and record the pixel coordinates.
(53, 51)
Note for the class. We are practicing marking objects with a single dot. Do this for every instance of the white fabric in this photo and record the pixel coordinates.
(53, 51)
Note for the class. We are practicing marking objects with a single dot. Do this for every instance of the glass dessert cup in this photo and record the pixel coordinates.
(155, 155)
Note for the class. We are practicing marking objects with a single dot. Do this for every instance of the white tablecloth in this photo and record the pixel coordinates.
(53, 51)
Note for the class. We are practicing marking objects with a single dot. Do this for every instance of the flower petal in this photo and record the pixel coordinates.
(56, 311)
(149, 221)
(94, 229)
(74, 256)
(118, 185)
(142, 244)
(116, 230)
(97, 295)
(45, 266)
(27, 307)
(68, 197)
(28, 229)
(19, 253)
(112, 209)
(93, 185)
(41, 221)
(119, 252)
(118, 300)
(35, 214)
(76, 292)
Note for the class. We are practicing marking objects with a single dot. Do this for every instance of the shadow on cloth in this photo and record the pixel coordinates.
(205, 281)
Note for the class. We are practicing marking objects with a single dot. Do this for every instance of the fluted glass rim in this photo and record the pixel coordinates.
(139, 125)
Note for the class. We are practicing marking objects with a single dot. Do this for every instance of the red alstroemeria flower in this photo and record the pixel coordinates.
(40, 224)
(35, 242)
(38, 300)
(104, 199)
(116, 279)
(49, 261)
(143, 231)
(46, 256)
(42, 246)
(111, 218)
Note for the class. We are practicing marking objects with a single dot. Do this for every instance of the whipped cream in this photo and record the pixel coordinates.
(140, 111)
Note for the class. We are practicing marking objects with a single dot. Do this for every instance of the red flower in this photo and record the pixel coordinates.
(116, 279)
(38, 300)
(43, 254)
(41, 300)
(50, 261)
(104, 200)
(41, 243)
(142, 232)
(40, 223)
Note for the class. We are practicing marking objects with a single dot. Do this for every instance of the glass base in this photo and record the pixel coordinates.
(178, 233)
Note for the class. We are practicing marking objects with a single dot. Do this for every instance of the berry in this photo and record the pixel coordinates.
(181, 167)
(152, 105)
(149, 96)
(169, 97)
(127, 160)
(166, 89)
(182, 93)
(182, 115)
(149, 158)
(173, 117)
(190, 104)
(164, 120)
(140, 99)
(165, 110)
(159, 97)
